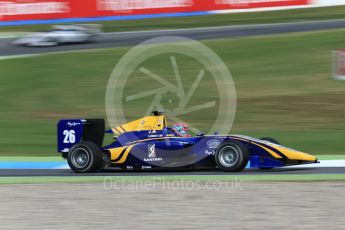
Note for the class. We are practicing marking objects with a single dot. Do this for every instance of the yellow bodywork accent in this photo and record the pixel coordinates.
(125, 155)
(289, 153)
(116, 152)
(275, 155)
(115, 131)
(152, 139)
(145, 123)
(295, 155)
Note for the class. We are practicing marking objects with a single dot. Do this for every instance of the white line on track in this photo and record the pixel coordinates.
(11, 35)
(48, 53)
(19, 56)
(323, 164)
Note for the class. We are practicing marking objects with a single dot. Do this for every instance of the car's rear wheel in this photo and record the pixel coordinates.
(85, 157)
(232, 156)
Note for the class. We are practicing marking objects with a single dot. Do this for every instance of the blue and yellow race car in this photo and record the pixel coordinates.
(148, 143)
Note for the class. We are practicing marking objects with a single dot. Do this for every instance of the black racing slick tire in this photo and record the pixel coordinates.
(232, 156)
(270, 139)
(85, 157)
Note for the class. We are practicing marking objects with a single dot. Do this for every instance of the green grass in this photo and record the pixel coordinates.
(123, 180)
(283, 82)
(330, 157)
(211, 20)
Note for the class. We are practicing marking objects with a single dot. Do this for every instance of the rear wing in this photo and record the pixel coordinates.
(73, 131)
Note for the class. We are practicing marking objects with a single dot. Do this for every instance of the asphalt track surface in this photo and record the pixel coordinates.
(67, 172)
(117, 39)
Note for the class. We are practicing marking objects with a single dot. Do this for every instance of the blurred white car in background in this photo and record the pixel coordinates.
(61, 34)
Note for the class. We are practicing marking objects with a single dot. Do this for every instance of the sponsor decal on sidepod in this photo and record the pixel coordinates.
(151, 149)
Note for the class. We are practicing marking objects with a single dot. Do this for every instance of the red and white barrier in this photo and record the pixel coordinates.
(20, 10)
(11, 10)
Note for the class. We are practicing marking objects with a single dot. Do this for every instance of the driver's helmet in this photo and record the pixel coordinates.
(181, 129)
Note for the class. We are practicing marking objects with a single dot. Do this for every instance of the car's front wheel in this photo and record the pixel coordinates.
(85, 157)
(232, 156)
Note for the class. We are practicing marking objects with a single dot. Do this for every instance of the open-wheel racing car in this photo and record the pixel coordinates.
(148, 143)
(61, 34)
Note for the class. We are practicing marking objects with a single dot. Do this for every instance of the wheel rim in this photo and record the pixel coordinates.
(80, 158)
(229, 156)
